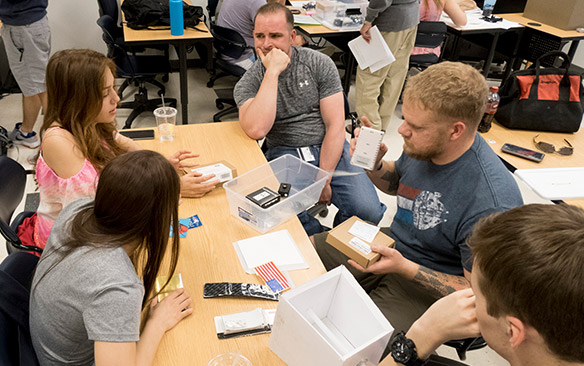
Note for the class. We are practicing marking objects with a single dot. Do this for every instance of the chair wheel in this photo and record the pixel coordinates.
(323, 212)
(210, 83)
(219, 105)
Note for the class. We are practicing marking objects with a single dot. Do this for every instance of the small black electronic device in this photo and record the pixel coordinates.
(264, 197)
(284, 189)
(523, 152)
(138, 134)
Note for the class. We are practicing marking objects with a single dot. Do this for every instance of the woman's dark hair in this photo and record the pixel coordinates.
(136, 203)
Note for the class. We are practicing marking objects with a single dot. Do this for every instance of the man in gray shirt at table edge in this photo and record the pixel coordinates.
(294, 99)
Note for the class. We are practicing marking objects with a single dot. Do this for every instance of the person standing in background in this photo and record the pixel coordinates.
(27, 40)
(378, 92)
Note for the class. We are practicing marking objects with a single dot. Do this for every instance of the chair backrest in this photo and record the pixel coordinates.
(15, 278)
(430, 34)
(109, 7)
(228, 42)
(116, 51)
(212, 11)
(12, 187)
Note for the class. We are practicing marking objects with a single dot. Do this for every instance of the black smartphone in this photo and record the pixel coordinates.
(138, 134)
(523, 152)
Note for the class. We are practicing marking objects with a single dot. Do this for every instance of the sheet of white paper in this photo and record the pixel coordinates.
(278, 247)
(474, 22)
(297, 4)
(364, 230)
(375, 54)
(305, 19)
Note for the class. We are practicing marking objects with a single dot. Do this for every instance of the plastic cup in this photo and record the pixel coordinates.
(229, 359)
(166, 120)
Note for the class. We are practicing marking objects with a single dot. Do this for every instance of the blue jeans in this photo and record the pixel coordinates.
(353, 195)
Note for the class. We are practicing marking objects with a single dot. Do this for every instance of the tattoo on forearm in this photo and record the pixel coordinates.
(393, 180)
(438, 283)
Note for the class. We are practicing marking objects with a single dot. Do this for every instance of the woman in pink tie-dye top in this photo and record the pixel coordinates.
(79, 137)
(431, 10)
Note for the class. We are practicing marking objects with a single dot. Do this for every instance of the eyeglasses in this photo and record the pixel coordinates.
(549, 148)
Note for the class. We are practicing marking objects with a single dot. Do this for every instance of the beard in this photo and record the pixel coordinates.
(426, 154)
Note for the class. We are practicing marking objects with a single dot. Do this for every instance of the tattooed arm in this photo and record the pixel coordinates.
(438, 283)
(385, 177)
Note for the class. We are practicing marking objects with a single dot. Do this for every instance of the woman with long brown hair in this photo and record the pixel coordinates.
(79, 137)
(87, 297)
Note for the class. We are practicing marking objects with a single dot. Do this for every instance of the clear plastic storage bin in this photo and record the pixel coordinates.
(342, 14)
(306, 180)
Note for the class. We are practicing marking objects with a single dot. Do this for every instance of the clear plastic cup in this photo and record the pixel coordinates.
(166, 120)
(229, 359)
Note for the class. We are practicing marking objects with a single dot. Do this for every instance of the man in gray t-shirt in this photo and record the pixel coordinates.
(294, 99)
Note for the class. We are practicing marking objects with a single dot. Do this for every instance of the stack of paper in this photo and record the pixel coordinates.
(278, 247)
(375, 54)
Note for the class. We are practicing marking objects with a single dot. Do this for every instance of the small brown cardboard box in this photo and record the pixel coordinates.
(563, 14)
(220, 173)
(339, 238)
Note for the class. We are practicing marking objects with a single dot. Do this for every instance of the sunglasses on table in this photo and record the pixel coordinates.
(551, 149)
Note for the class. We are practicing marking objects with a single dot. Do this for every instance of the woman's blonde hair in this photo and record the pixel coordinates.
(75, 80)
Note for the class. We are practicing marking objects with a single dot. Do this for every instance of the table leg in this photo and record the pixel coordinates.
(572, 50)
(350, 66)
(181, 50)
(514, 56)
(491, 55)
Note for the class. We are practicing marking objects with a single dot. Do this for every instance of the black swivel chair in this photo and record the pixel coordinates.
(229, 43)
(111, 8)
(12, 186)
(136, 69)
(15, 280)
(429, 35)
(212, 11)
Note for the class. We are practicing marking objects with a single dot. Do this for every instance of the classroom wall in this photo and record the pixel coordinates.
(73, 25)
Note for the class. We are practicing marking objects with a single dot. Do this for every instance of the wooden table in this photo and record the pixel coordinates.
(481, 27)
(207, 253)
(564, 35)
(499, 135)
(163, 36)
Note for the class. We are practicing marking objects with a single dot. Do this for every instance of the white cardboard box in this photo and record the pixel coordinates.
(329, 321)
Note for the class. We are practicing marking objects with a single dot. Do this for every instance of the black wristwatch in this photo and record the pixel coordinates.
(403, 350)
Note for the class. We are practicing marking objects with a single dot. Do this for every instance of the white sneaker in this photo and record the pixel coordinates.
(30, 140)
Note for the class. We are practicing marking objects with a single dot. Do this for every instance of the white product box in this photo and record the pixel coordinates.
(306, 180)
(329, 321)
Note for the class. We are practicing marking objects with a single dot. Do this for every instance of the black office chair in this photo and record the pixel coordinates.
(136, 69)
(15, 279)
(111, 8)
(468, 344)
(230, 43)
(12, 186)
(212, 12)
(429, 35)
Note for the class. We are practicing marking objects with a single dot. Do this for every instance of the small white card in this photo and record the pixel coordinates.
(221, 172)
(305, 154)
(364, 231)
(360, 245)
(367, 148)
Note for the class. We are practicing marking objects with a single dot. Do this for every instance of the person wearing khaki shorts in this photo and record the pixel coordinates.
(378, 92)
(27, 40)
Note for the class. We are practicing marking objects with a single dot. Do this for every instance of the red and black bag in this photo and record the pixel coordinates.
(542, 99)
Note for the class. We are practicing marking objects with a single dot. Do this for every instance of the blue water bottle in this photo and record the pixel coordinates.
(488, 7)
(177, 25)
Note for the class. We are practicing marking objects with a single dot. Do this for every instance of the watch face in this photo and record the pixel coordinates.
(400, 351)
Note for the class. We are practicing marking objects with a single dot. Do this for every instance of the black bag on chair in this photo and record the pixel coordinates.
(142, 14)
(542, 99)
